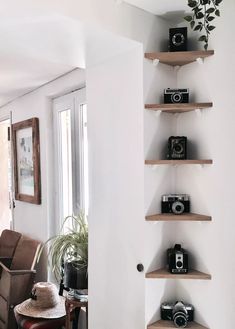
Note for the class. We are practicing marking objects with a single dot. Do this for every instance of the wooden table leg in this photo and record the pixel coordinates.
(67, 320)
(76, 317)
(87, 317)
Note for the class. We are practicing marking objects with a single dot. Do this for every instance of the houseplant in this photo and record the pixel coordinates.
(203, 13)
(68, 252)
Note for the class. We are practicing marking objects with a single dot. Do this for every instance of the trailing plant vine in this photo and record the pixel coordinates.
(204, 12)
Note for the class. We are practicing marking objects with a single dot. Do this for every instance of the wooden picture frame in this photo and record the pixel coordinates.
(26, 151)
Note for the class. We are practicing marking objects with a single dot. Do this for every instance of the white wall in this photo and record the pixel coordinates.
(212, 187)
(117, 226)
(38, 221)
(121, 196)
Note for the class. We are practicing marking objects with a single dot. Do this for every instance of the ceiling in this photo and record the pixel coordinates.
(28, 54)
(37, 49)
(34, 51)
(166, 8)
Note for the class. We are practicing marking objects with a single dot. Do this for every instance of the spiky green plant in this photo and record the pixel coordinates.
(70, 246)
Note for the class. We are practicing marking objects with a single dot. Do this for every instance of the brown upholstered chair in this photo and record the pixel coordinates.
(8, 243)
(16, 281)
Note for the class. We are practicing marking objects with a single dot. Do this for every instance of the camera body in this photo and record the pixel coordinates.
(177, 260)
(177, 148)
(180, 313)
(176, 96)
(178, 39)
(175, 203)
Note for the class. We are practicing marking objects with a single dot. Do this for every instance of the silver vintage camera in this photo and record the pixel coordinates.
(175, 203)
(172, 96)
(180, 313)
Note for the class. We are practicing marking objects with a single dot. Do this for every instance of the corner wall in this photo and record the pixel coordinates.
(211, 188)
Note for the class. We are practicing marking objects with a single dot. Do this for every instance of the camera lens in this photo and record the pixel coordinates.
(178, 148)
(179, 264)
(180, 320)
(178, 39)
(177, 207)
(176, 98)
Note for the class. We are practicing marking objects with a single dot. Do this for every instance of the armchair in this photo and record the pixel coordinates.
(16, 281)
(8, 243)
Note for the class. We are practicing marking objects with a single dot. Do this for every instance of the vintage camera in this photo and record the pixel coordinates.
(177, 148)
(177, 260)
(172, 96)
(175, 203)
(180, 313)
(178, 39)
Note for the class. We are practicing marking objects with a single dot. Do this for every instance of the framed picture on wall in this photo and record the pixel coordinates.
(26, 149)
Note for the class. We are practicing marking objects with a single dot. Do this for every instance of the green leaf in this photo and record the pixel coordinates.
(188, 18)
(197, 27)
(192, 4)
(192, 24)
(210, 10)
(202, 38)
(199, 15)
(210, 18)
(211, 28)
(217, 12)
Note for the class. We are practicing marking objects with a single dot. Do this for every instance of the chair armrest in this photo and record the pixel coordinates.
(15, 272)
(6, 261)
(15, 285)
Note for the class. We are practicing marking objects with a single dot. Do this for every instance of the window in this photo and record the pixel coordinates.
(71, 154)
(6, 176)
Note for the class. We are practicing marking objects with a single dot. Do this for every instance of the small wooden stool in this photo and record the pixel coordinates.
(72, 304)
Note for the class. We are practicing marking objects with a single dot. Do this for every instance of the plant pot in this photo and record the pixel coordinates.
(75, 276)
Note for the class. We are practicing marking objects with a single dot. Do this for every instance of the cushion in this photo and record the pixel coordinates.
(25, 322)
(8, 242)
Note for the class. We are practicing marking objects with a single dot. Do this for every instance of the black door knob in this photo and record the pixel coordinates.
(140, 267)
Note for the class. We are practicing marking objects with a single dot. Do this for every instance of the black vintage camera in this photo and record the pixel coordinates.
(180, 313)
(172, 96)
(177, 148)
(175, 203)
(178, 39)
(177, 260)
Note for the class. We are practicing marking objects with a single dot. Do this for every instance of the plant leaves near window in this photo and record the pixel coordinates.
(203, 12)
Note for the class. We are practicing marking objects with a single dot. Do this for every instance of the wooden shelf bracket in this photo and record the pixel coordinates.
(176, 68)
(200, 60)
(157, 113)
(198, 112)
(156, 62)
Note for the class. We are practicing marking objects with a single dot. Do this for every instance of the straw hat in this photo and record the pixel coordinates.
(44, 302)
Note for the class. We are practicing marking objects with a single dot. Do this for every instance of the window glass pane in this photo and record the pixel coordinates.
(66, 162)
(85, 159)
(5, 170)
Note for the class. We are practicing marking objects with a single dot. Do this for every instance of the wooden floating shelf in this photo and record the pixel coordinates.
(179, 58)
(177, 162)
(178, 108)
(163, 273)
(183, 217)
(162, 324)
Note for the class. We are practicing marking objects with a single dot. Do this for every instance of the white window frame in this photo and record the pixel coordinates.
(73, 101)
(8, 117)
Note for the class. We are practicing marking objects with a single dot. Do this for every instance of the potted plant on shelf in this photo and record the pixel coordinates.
(202, 18)
(68, 253)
